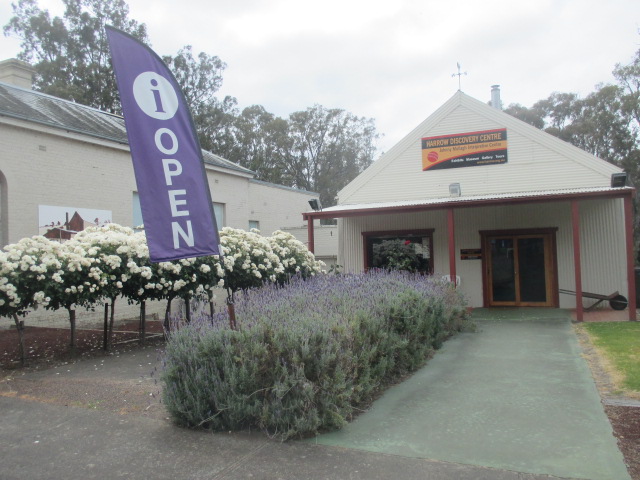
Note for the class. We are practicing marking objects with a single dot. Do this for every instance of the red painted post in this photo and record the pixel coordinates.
(575, 222)
(631, 277)
(311, 245)
(452, 245)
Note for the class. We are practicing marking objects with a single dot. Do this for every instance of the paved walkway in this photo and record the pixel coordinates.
(514, 395)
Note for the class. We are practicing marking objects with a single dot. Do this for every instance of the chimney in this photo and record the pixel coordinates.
(495, 97)
(17, 72)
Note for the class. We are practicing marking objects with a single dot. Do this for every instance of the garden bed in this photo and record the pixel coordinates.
(49, 346)
(307, 357)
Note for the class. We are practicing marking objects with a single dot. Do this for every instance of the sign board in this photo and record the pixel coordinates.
(488, 147)
(470, 254)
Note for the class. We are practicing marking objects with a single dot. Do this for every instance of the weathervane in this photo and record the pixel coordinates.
(459, 74)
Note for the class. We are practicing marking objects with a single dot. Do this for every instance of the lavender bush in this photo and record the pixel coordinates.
(309, 355)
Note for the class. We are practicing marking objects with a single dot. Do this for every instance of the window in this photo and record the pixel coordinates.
(218, 211)
(137, 212)
(406, 250)
(254, 224)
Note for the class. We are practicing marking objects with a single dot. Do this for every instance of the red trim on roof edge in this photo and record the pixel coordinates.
(362, 212)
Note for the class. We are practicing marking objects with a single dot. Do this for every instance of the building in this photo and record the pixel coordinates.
(65, 165)
(509, 212)
(325, 242)
(61, 154)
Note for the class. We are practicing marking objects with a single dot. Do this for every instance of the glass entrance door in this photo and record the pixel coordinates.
(519, 270)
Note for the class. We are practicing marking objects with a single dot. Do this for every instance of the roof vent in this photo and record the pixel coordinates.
(618, 180)
(495, 97)
(17, 72)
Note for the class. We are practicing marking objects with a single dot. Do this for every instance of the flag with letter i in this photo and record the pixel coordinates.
(167, 160)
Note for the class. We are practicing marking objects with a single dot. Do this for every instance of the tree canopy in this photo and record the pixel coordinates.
(71, 54)
(605, 123)
(317, 149)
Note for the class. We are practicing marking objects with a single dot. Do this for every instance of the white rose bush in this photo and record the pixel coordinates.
(295, 257)
(101, 264)
(25, 271)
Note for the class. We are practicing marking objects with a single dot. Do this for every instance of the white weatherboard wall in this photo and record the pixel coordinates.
(600, 226)
(536, 161)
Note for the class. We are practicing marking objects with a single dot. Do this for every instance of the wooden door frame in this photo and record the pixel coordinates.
(554, 300)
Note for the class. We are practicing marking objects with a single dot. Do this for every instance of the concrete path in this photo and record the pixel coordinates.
(514, 395)
(43, 441)
(96, 419)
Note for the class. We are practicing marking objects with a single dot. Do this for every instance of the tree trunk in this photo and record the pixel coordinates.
(20, 328)
(111, 321)
(167, 313)
(231, 309)
(143, 320)
(72, 321)
(232, 314)
(187, 309)
(105, 342)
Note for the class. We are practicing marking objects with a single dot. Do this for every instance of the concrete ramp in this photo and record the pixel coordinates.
(515, 395)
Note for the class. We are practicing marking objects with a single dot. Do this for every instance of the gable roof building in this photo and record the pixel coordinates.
(511, 213)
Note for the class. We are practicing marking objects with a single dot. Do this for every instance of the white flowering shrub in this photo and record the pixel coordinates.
(295, 257)
(106, 262)
(109, 249)
(208, 271)
(76, 282)
(180, 279)
(27, 267)
(10, 301)
(248, 260)
(139, 272)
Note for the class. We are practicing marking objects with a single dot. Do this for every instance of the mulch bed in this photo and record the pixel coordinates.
(626, 427)
(49, 346)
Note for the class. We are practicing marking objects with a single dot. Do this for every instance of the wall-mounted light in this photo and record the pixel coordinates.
(618, 180)
(454, 190)
(315, 204)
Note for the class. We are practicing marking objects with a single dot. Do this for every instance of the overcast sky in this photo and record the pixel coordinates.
(391, 60)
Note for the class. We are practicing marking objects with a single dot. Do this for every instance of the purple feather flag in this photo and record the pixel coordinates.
(172, 184)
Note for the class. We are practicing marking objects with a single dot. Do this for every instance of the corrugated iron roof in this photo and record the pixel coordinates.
(43, 109)
(218, 161)
(444, 201)
(283, 187)
(55, 112)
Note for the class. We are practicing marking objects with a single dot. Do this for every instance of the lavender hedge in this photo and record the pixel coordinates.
(307, 356)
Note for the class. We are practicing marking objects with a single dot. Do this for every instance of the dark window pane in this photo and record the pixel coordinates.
(532, 274)
(502, 270)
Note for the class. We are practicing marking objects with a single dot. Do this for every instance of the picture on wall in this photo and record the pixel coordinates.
(62, 223)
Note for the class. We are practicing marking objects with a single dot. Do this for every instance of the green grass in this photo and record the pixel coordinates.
(620, 342)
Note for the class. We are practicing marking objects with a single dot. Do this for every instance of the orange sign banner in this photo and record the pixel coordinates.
(488, 147)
